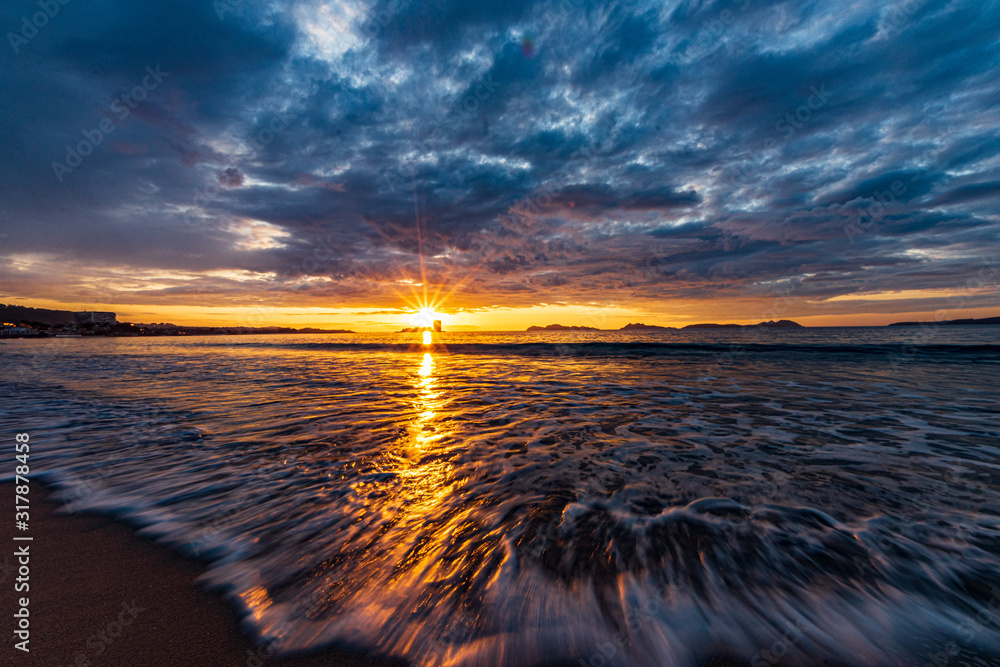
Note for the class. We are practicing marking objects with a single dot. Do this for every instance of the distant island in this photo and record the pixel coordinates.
(771, 324)
(780, 324)
(561, 327)
(951, 323)
(645, 327)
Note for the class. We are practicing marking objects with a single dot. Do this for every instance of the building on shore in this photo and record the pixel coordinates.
(94, 317)
(11, 330)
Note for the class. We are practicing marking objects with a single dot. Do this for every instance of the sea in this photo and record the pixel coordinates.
(777, 496)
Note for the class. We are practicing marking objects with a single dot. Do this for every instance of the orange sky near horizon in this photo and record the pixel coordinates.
(833, 312)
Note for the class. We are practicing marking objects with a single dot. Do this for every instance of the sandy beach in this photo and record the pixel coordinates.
(101, 595)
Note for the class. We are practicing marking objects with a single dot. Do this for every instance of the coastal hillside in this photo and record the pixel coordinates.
(19, 314)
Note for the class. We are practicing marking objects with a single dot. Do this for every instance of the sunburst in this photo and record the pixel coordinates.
(425, 317)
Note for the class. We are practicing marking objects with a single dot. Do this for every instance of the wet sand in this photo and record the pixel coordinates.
(101, 595)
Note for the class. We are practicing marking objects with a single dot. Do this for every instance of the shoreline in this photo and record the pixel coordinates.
(99, 590)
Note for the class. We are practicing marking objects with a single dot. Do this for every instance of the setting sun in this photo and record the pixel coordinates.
(425, 317)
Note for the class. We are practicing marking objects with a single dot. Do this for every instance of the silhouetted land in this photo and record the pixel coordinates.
(780, 324)
(47, 322)
(561, 327)
(645, 327)
(175, 330)
(951, 323)
(17, 314)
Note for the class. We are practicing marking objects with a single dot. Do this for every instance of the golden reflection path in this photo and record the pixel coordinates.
(422, 526)
(406, 573)
(426, 474)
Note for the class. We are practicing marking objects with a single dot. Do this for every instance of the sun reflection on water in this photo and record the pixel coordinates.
(404, 533)
(427, 405)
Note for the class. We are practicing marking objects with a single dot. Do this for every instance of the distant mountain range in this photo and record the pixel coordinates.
(780, 324)
(561, 327)
(644, 327)
(951, 323)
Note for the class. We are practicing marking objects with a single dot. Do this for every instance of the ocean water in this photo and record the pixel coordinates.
(788, 497)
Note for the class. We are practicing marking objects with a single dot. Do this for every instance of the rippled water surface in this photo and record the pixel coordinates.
(520, 499)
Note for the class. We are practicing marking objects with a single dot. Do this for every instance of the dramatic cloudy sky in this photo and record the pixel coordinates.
(521, 162)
